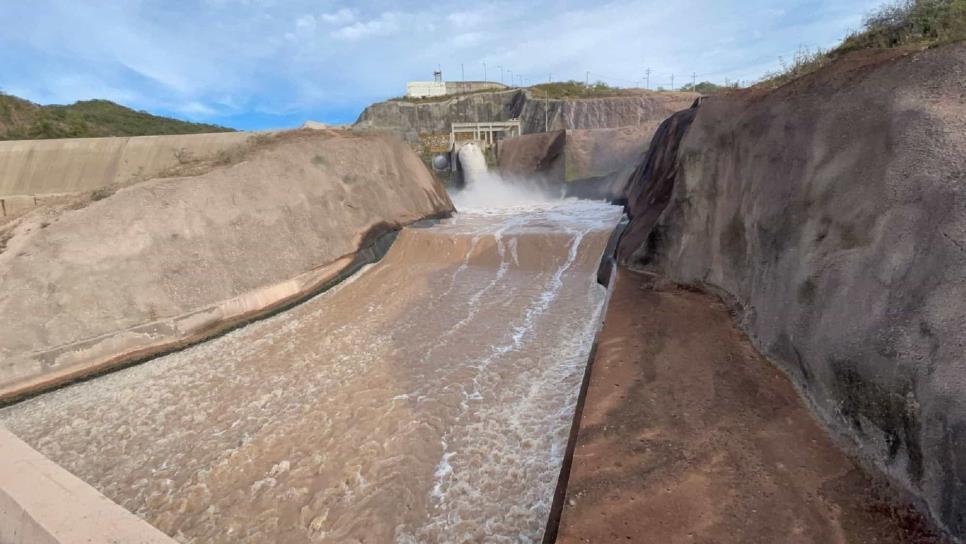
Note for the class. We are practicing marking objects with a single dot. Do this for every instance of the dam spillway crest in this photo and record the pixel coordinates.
(426, 399)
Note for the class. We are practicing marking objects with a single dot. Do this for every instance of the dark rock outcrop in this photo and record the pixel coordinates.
(649, 187)
(831, 213)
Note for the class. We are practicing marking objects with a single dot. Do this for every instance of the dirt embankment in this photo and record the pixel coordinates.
(831, 213)
(167, 261)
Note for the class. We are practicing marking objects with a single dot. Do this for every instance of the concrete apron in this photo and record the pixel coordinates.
(41, 503)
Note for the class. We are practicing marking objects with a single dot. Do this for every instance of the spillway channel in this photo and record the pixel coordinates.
(426, 399)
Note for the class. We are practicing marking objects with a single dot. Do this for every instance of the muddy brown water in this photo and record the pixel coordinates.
(427, 399)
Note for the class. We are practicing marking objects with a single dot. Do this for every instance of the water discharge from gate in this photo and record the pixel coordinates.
(484, 189)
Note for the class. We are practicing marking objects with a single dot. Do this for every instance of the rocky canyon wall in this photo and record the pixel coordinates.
(411, 119)
(831, 213)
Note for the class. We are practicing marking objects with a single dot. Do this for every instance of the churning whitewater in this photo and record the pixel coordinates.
(428, 399)
(485, 190)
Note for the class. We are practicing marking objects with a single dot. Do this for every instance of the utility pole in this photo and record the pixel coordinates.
(484, 72)
(647, 78)
(546, 105)
(672, 82)
(587, 79)
(694, 80)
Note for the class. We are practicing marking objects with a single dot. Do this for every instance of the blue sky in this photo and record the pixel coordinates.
(254, 64)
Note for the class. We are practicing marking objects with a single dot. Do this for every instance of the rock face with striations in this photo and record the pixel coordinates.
(588, 163)
(167, 261)
(415, 118)
(831, 212)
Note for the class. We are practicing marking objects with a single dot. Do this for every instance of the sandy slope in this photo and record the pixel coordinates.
(169, 259)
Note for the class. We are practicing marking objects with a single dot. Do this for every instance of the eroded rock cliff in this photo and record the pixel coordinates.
(415, 118)
(831, 212)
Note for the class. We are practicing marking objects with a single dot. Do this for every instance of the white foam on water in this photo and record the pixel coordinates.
(486, 190)
(520, 430)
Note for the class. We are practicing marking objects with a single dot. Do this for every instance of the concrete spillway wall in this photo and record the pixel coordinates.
(41, 167)
(34, 172)
(831, 213)
(170, 261)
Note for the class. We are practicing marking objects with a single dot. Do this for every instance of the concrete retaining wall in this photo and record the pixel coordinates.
(41, 503)
(39, 167)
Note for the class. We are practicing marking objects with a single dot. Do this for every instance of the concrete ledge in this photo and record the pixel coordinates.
(41, 503)
(35, 373)
(77, 165)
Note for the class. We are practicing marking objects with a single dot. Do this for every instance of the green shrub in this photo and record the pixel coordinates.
(923, 23)
(578, 89)
(910, 22)
(803, 62)
(706, 87)
(21, 119)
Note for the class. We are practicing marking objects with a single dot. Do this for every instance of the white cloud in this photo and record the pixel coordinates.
(468, 39)
(340, 17)
(385, 25)
(305, 22)
(195, 109)
(210, 58)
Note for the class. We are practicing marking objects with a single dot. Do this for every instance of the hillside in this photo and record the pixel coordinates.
(23, 120)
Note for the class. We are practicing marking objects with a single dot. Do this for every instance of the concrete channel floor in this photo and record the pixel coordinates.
(689, 435)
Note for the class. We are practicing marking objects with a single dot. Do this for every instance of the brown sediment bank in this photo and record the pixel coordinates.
(689, 435)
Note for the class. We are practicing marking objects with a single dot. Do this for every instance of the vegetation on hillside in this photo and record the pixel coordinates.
(902, 23)
(444, 97)
(579, 89)
(706, 87)
(23, 120)
(910, 22)
(564, 90)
